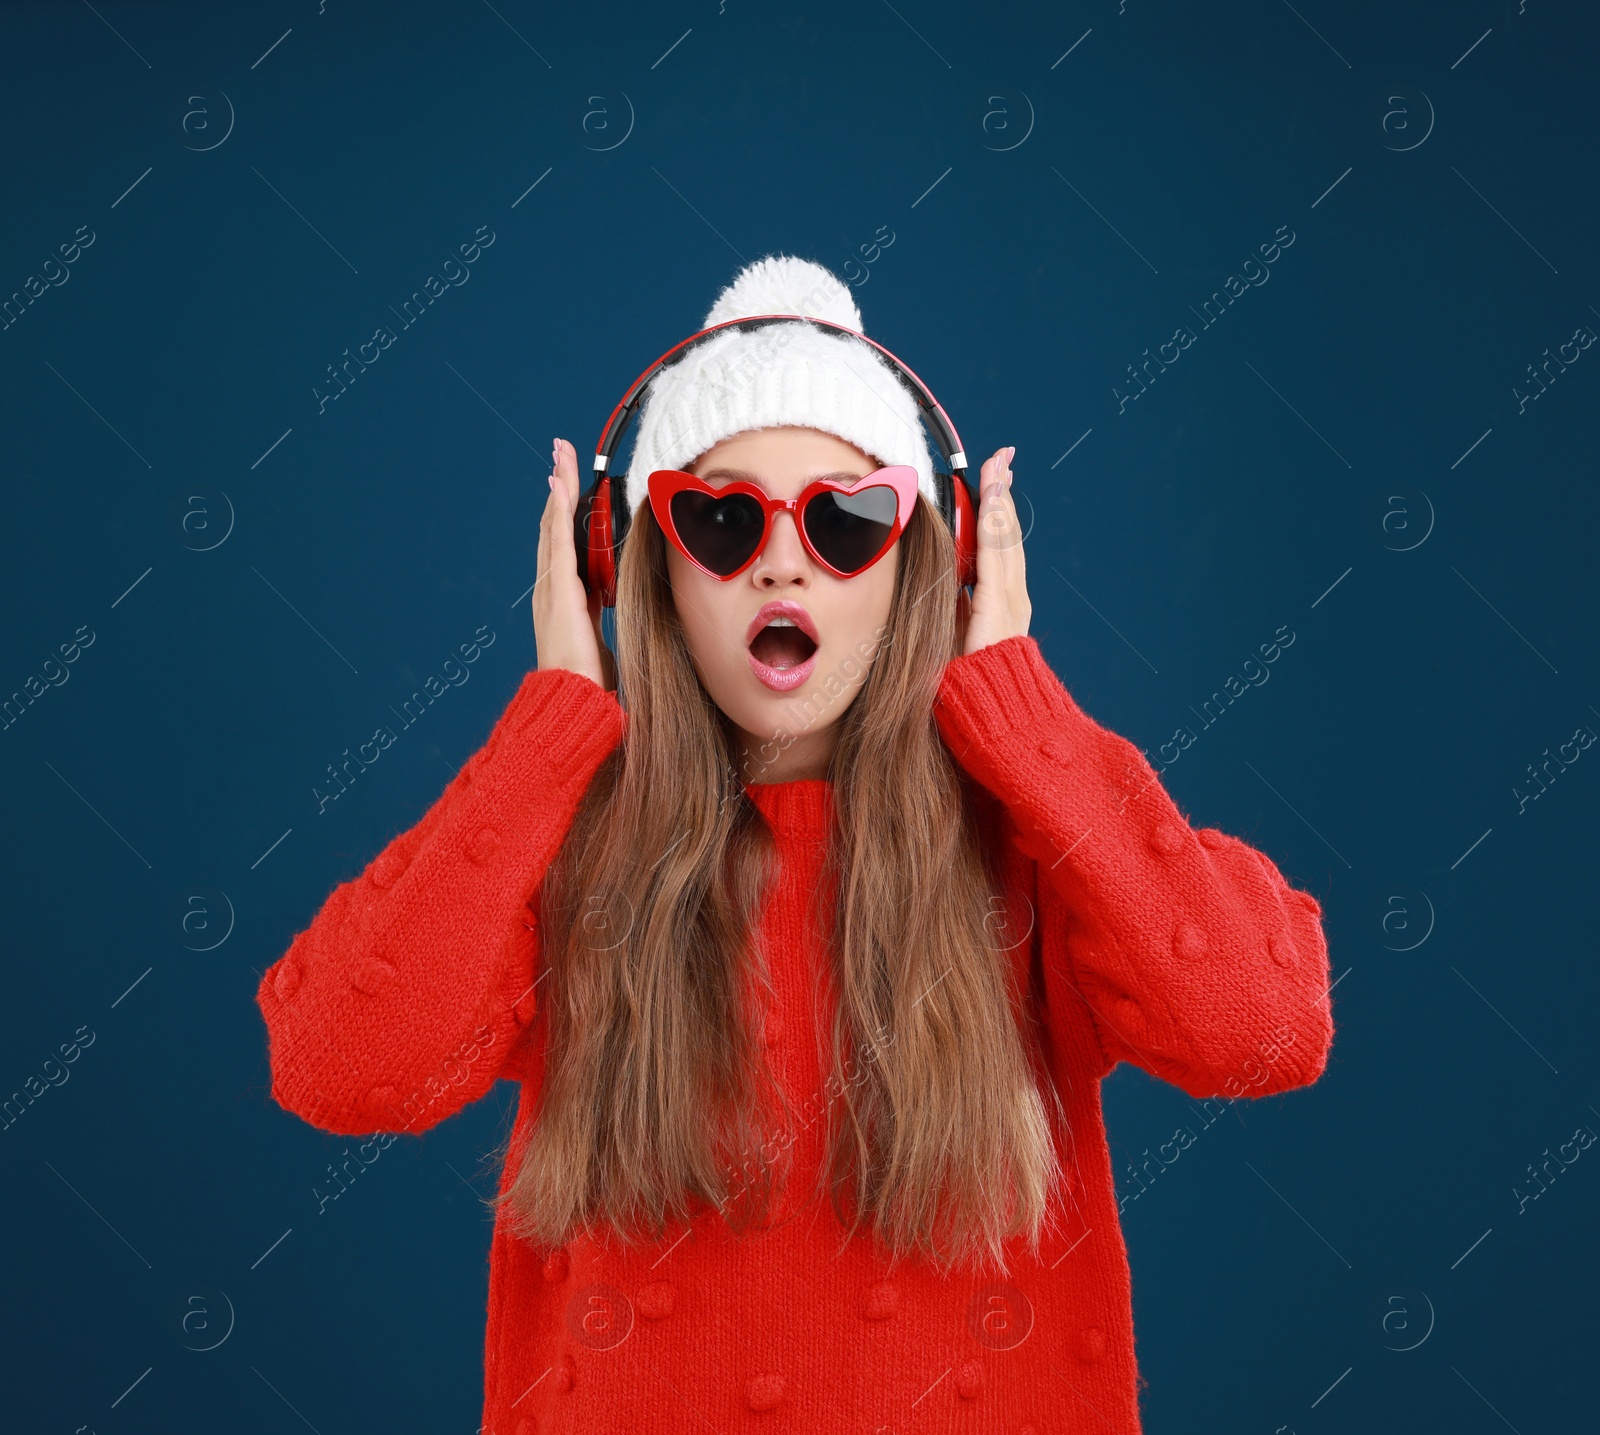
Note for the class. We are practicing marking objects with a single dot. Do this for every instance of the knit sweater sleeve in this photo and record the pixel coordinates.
(409, 991)
(1197, 959)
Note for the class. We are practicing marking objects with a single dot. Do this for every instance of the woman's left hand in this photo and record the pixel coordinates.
(999, 606)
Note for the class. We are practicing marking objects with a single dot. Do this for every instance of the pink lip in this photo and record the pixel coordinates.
(783, 680)
(786, 679)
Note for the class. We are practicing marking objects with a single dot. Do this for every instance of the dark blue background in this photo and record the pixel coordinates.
(1298, 443)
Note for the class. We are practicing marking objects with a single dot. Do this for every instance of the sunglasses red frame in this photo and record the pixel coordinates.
(667, 483)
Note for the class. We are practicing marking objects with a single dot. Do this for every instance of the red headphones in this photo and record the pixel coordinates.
(602, 519)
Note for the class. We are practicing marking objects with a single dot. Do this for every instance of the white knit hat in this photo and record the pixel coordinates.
(778, 374)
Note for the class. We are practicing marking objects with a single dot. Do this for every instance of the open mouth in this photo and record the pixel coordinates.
(782, 645)
(783, 651)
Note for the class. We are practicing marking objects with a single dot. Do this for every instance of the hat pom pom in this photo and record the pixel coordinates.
(782, 284)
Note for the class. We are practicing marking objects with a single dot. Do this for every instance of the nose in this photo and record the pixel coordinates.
(784, 559)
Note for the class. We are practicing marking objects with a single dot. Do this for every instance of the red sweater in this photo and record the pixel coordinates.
(1182, 951)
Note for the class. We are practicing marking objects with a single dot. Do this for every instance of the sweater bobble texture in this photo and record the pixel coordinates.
(1137, 938)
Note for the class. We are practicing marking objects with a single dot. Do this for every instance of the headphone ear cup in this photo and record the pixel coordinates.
(960, 512)
(580, 538)
(591, 541)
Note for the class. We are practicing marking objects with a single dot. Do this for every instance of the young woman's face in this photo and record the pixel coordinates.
(774, 684)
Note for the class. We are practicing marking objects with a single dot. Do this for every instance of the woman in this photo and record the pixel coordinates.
(810, 960)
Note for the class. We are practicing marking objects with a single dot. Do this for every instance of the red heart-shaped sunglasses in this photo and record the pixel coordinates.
(844, 526)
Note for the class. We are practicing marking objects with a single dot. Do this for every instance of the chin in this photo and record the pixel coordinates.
(766, 715)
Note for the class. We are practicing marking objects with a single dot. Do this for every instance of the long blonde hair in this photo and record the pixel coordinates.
(654, 1090)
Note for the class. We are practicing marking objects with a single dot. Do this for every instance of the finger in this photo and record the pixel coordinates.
(1019, 558)
(992, 522)
(567, 471)
(1004, 530)
(562, 552)
(542, 558)
(998, 519)
(549, 522)
(990, 485)
(997, 473)
(1002, 473)
(1021, 609)
(1010, 537)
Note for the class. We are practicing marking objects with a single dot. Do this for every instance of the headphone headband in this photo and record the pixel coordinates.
(602, 519)
(622, 416)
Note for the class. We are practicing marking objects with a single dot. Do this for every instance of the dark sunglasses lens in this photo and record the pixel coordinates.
(850, 529)
(721, 532)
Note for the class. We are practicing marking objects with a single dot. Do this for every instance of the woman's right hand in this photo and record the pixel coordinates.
(566, 621)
